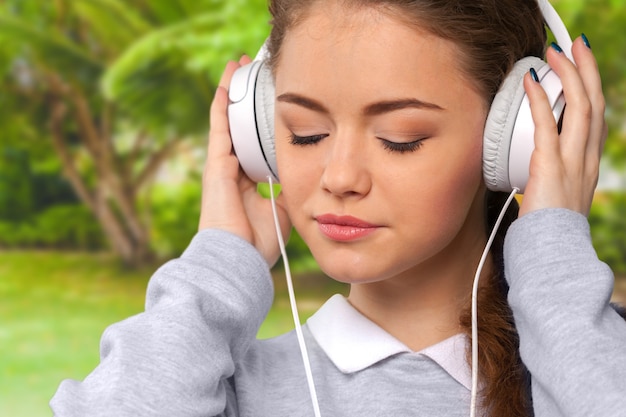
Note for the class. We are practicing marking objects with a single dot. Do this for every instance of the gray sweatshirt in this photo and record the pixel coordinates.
(193, 352)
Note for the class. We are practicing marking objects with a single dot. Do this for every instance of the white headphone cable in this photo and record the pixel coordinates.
(483, 258)
(294, 307)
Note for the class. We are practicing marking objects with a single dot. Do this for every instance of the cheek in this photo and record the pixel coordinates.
(451, 188)
(284, 155)
(465, 174)
(468, 168)
(296, 171)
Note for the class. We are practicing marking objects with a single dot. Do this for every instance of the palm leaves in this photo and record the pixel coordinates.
(115, 86)
(46, 48)
(157, 60)
(170, 73)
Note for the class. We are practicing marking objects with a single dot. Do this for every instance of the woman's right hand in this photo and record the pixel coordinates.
(230, 200)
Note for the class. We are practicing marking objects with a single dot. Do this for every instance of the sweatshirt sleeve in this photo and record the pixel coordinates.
(203, 311)
(571, 340)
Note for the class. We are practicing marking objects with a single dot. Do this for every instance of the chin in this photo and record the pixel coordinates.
(353, 271)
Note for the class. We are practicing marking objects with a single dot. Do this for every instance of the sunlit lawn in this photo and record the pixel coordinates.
(54, 308)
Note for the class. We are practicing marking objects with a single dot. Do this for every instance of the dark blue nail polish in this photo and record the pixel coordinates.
(533, 74)
(556, 47)
(585, 40)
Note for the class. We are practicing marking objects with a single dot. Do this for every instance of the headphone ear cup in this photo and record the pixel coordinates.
(501, 122)
(264, 113)
(251, 120)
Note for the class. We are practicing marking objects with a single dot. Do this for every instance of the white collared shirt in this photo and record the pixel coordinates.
(353, 342)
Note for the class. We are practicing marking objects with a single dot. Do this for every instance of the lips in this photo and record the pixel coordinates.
(344, 228)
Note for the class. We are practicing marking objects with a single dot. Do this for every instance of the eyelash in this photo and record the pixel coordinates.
(305, 140)
(402, 147)
(396, 147)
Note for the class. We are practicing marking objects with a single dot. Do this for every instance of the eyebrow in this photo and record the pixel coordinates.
(373, 109)
(400, 104)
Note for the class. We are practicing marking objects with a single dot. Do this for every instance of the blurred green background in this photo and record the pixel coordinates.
(104, 112)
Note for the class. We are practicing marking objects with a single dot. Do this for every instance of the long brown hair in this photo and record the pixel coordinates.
(491, 35)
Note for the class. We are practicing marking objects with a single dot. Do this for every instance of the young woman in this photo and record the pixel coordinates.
(380, 113)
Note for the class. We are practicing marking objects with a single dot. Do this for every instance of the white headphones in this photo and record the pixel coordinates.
(509, 131)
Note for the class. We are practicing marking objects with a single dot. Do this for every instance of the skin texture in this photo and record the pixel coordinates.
(427, 203)
(412, 274)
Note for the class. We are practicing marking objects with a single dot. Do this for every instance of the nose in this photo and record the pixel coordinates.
(346, 171)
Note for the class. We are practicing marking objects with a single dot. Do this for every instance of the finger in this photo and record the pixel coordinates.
(230, 69)
(219, 135)
(590, 76)
(546, 136)
(577, 117)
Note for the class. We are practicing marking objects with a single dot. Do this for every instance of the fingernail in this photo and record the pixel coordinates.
(556, 47)
(533, 74)
(585, 40)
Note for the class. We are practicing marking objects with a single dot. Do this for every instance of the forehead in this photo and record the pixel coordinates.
(364, 50)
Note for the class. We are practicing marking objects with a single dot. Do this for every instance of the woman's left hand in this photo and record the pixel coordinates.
(564, 167)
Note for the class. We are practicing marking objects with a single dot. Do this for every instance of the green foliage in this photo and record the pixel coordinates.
(104, 16)
(170, 73)
(16, 190)
(67, 226)
(603, 22)
(175, 212)
(29, 183)
(136, 82)
(147, 70)
(608, 229)
(45, 46)
(39, 209)
(158, 62)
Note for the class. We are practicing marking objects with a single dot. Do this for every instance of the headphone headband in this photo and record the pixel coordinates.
(557, 27)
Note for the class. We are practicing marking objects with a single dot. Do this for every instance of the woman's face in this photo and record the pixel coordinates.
(379, 145)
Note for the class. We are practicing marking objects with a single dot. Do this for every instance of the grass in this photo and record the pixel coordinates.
(54, 307)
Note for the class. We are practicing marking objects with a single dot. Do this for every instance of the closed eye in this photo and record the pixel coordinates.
(402, 147)
(306, 140)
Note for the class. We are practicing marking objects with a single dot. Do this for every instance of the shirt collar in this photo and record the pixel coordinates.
(353, 342)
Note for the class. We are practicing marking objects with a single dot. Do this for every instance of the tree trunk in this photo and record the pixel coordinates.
(114, 209)
(118, 240)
